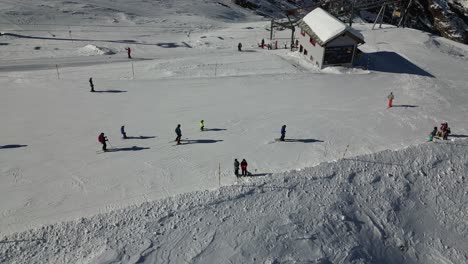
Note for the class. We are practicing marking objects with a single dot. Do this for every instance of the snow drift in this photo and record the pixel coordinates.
(90, 50)
(407, 206)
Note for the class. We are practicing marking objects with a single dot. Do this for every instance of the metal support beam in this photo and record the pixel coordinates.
(383, 15)
(382, 9)
(351, 14)
(404, 14)
(271, 30)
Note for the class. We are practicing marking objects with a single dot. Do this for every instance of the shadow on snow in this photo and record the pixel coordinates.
(407, 106)
(125, 41)
(198, 141)
(458, 136)
(387, 61)
(12, 146)
(214, 129)
(134, 148)
(305, 140)
(110, 91)
(141, 137)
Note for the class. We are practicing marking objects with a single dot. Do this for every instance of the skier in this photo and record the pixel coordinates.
(263, 43)
(447, 132)
(433, 134)
(443, 129)
(102, 139)
(244, 167)
(129, 51)
(276, 44)
(283, 132)
(236, 167)
(91, 84)
(202, 125)
(239, 46)
(122, 131)
(390, 99)
(178, 133)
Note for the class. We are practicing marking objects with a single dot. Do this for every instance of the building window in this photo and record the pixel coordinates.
(312, 41)
(302, 32)
(338, 55)
(301, 48)
(305, 52)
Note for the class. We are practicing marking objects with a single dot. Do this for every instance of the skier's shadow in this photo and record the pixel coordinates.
(110, 91)
(458, 136)
(214, 129)
(134, 148)
(198, 141)
(407, 106)
(141, 137)
(249, 174)
(12, 146)
(306, 140)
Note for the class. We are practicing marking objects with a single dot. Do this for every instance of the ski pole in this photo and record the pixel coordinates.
(110, 144)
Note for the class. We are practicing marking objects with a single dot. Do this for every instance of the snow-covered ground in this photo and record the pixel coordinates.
(407, 206)
(185, 68)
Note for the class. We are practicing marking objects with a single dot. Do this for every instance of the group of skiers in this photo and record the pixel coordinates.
(243, 165)
(269, 45)
(103, 139)
(443, 132)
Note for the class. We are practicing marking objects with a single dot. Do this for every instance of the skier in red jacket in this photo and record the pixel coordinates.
(102, 139)
(129, 51)
(244, 167)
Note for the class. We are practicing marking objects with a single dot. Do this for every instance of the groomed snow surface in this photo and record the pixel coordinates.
(150, 201)
(407, 206)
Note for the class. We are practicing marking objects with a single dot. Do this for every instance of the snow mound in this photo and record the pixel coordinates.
(344, 70)
(407, 206)
(91, 50)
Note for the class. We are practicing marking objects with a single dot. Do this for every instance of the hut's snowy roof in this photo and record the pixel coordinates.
(325, 27)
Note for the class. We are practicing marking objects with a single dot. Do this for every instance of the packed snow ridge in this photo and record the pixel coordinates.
(407, 206)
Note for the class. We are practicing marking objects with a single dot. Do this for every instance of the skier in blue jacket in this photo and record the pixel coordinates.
(179, 134)
(283, 132)
(122, 131)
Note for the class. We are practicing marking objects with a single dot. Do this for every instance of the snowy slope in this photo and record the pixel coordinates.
(187, 68)
(408, 206)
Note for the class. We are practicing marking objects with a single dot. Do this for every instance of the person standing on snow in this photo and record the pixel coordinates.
(178, 133)
(446, 133)
(91, 84)
(102, 139)
(202, 125)
(283, 132)
(236, 167)
(129, 51)
(443, 129)
(244, 167)
(263, 43)
(239, 46)
(390, 99)
(122, 131)
(433, 134)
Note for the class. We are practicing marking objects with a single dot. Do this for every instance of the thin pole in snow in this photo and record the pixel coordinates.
(133, 71)
(216, 68)
(58, 75)
(344, 153)
(219, 175)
